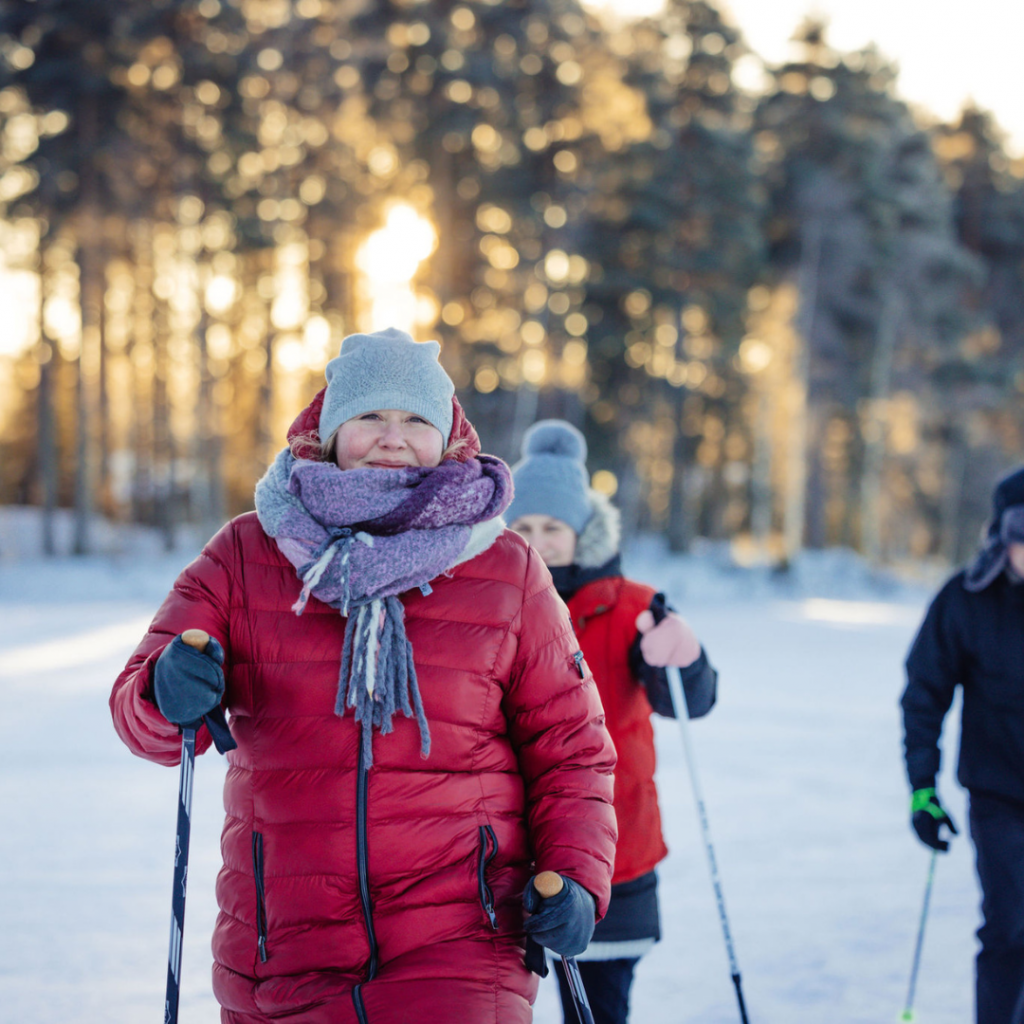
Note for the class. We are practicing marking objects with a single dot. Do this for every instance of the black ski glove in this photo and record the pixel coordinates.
(188, 686)
(564, 922)
(926, 815)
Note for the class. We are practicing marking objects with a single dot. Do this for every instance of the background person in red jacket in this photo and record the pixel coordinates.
(416, 733)
(576, 531)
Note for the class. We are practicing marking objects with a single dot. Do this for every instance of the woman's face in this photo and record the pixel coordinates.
(387, 439)
(553, 539)
(1015, 553)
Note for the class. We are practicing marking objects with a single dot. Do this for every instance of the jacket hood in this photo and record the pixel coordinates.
(599, 541)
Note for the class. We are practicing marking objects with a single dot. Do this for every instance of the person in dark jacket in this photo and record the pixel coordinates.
(973, 637)
(628, 636)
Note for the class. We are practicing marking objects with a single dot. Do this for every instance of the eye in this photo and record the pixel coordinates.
(417, 419)
(370, 416)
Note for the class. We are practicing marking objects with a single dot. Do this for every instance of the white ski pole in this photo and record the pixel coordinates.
(675, 685)
(908, 1010)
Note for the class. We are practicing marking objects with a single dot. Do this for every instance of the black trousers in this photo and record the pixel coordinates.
(607, 983)
(997, 829)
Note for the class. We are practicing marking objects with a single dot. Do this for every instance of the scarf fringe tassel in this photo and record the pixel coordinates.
(378, 675)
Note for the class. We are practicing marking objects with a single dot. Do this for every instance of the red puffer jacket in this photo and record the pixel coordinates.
(409, 874)
(604, 613)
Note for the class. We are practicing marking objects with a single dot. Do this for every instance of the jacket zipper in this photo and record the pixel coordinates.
(488, 851)
(261, 905)
(578, 660)
(363, 860)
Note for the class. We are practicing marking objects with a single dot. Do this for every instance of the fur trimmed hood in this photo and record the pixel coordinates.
(599, 541)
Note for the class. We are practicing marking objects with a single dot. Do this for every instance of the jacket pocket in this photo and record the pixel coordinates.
(487, 851)
(261, 905)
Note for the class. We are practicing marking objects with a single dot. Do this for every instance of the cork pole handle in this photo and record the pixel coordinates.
(548, 884)
(197, 638)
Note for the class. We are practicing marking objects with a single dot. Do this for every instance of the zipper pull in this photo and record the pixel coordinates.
(578, 659)
(488, 851)
(263, 949)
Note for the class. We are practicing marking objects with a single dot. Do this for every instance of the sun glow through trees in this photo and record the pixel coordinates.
(389, 260)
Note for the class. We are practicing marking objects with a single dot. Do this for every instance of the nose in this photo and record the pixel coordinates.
(392, 437)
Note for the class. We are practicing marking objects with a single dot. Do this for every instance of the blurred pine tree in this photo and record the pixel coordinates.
(860, 219)
(674, 236)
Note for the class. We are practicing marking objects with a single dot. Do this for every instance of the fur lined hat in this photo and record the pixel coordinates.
(1005, 527)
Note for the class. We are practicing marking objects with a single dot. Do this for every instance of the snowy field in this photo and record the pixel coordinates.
(800, 761)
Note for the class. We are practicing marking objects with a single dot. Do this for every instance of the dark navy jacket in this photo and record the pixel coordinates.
(975, 640)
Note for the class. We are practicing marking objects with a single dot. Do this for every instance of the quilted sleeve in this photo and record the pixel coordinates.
(566, 756)
(200, 600)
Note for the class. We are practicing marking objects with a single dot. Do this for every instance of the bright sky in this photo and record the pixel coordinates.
(947, 50)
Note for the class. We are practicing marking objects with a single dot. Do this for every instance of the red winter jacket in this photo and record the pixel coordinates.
(519, 779)
(604, 613)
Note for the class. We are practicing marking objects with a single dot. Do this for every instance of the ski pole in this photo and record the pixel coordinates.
(198, 639)
(908, 1010)
(549, 883)
(675, 686)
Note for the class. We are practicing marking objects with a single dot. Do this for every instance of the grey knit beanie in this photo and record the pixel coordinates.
(387, 370)
(551, 478)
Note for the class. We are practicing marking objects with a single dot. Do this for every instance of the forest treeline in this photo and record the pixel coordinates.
(784, 307)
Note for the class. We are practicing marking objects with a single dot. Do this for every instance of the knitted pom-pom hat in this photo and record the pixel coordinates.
(551, 478)
(387, 370)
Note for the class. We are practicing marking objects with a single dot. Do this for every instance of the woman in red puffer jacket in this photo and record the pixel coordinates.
(417, 733)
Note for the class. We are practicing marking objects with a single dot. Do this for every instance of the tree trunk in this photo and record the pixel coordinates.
(761, 472)
(141, 344)
(795, 508)
(264, 448)
(201, 438)
(103, 489)
(163, 442)
(46, 438)
(815, 484)
(208, 447)
(682, 495)
(874, 426)
(951, 527)
(91, 342)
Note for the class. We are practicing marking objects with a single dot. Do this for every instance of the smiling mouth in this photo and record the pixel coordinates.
(381, 464)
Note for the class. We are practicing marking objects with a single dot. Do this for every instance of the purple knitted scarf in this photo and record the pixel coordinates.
(358, 538)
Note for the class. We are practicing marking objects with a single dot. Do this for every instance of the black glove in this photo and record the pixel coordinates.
(926, 815)
(564, 922)
(188, 686)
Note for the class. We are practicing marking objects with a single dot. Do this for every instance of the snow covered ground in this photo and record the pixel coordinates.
(800, 762)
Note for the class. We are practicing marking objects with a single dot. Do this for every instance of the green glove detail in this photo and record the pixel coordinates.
(926, 800)
(926, 815)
